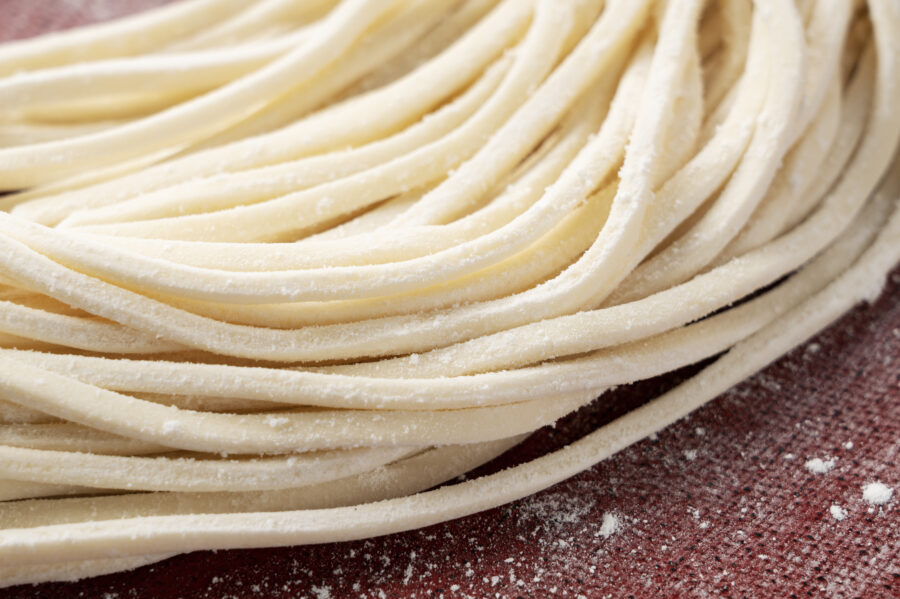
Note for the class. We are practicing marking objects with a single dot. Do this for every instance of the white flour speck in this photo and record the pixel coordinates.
(609, 526)
(877, 493)
(820, 466)
(837, 512)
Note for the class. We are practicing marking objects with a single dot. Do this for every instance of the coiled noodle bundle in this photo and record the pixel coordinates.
(269, 270)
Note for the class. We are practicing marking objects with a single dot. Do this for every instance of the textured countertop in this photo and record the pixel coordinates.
(724, 503)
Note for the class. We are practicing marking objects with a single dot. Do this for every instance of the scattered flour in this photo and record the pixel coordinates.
(837, 512)
(553, 511)
(276, 421)
(690, 454)
(322, 592)
(820, 466)
(877, 493)
(171, 426)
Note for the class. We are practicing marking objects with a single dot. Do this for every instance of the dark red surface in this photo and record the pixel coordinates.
(719, 504)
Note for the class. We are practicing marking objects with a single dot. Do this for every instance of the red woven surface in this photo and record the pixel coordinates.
(719, 504)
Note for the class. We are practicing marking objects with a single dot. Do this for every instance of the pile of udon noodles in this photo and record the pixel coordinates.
(271, 270)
